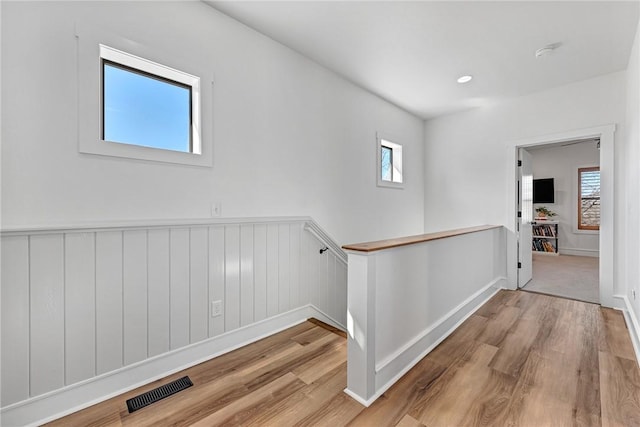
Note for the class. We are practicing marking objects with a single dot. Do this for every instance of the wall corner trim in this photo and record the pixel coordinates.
(633, 324)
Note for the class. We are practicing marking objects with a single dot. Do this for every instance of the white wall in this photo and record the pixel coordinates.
(468, 165)
(290, 137)
(562, 163)
(630, 209)
(470, 157)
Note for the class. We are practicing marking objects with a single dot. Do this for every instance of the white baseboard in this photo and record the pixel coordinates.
(619, 303)
(61, 402)
(633, 325)
(390, 370)
(358, 399)
(322, 316)
(595, 253)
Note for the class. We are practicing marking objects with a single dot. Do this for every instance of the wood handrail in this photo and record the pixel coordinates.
(410, 240)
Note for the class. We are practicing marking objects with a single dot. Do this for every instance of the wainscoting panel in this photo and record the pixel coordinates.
(159, 303)
(135, 296)
(108, 302)
(216, 276)
(46, 278)
(246, 275)
(272, 270)
(232, 278)
(80, 317)
(83, 304)
(198, 284)
(179, 288)
(15, 319)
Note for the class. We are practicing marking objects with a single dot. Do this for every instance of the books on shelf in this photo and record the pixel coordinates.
(540, 245)
(544, 230)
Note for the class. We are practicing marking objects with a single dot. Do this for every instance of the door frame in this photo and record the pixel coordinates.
(607, 176)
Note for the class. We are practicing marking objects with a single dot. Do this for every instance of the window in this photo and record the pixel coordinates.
(389, 163)
(142, 109)
(589, 198)
(148, 104)
(386, 163)
(143, 102)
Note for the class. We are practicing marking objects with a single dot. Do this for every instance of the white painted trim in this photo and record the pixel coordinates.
(389, 371)
(324, 317)
(619, 303)
(317, 232)
(89, 53)
(427, 340)
(382, 364)
(157, 70)
(146, 224)
(579, 252)
(633, 325)
(607, 171)
(359, 399)
(309, 225)
(61, 402)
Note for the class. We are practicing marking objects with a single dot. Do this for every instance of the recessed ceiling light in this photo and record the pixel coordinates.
(464, 79)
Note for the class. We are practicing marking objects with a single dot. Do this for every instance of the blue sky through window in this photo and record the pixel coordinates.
(142, 110)
(386, 163)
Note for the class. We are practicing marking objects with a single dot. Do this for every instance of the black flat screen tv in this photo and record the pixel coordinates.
(543, 191)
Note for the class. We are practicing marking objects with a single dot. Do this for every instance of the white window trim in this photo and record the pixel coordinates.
(124, 58)
(94, 45)
(398, 174)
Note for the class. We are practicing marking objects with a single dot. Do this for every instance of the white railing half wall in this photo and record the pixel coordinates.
(407, 295)
(89, 312)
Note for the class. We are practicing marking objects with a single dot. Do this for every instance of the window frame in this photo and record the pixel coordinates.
(95, 46)
(397, 173)
(162, 79)
(579, 224)
(383, 148)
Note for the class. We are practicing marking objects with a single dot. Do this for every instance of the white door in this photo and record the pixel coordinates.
(525, 213)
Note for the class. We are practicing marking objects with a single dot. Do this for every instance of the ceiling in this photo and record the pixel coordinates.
(411, 53)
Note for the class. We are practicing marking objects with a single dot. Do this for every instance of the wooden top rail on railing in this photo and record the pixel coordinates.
(410, 240)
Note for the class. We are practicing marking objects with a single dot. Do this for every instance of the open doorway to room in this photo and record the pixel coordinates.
(565, 219)
(519, 252)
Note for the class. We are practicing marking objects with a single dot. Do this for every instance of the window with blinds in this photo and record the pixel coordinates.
(589, 198)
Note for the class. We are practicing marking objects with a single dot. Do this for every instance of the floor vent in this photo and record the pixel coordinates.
(152, 396)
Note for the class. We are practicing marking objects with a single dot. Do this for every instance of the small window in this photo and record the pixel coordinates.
(142, 101)
(386, 163)
(147, 104)
(589, 198)
(389, 163)
(143, 109)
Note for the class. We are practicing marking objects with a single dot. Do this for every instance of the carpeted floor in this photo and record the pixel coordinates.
(574, 277)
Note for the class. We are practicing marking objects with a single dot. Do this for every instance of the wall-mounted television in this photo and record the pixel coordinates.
(543, 191)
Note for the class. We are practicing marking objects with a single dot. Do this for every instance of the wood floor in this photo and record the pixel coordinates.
(523, 359)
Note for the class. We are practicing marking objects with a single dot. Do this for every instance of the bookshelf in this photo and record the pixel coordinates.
(545, 237)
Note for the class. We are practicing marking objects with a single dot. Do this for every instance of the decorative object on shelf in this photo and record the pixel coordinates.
(543, 212)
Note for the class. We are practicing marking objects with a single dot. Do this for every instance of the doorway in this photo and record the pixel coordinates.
(605, 244)
(566, 218)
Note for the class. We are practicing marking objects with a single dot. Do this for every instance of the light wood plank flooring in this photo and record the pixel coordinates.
(523, 359)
